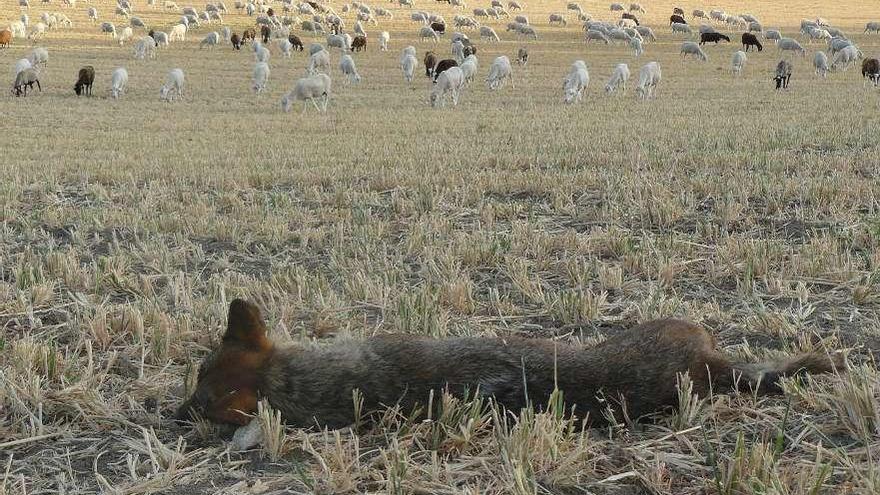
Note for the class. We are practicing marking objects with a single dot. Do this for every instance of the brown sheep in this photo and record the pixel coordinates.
(522, 56)
(430, 61)
(265, 32)
(296, 42)
(871, 70)
(248, 34)
(24, 80)
(236, 41)
(5, 38)
(359, 43)
(676, 18)
(84, 81)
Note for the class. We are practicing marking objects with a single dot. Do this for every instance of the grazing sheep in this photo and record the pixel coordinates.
(558, 19)
(705, 28)
(24, 80)
(755, 27)
(261, 53)
(160, 37)
(442, 66)
(311, 88)
(295, 42)
(616, 7)
(5, 38)
(488, 33)
(646, 33)
(336, 41)
(512, 5)
(349, 70)
(499, 73)
(636, 45)
(691, 48)
(117, 82)
(430, 60)
(699, 14)
(359, 43)
(713, 38)
(408, 64)
(249, 34)
(522, 56)
(676, 19)
(145, 48)
(39, 57)
(136, 22)
(109, 28)
(173, 86)
(469, 68)
(260, 77)
(789, 44)
(285, 47)
(384, 37)
(872, 27)
(649, 79)
(820, 63)
(575, 82)
(749, 40)
(846, 57)
(629, 17)
(125, 35)
(871, 70)
(178, 33)
(593, 35)
(783, 74)
(619, 35)
(837, 44)
(528, 31)
(426, 32)
(211, 40)
(236, 41)
(637, 7)
(618, 78)
(438, 27)
(678, 27)
(772, 34)
(84, 81)
(93, 14)
(319, 60)
(738, 62)
(450, 82)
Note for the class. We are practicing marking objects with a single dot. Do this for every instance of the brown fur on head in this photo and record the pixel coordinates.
(229, 377)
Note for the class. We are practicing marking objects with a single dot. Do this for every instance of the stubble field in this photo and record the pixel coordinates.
(127, 226)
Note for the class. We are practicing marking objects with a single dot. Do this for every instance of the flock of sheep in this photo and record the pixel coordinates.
(450, 75)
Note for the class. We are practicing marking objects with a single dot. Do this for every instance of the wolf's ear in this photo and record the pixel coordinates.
(245, 325)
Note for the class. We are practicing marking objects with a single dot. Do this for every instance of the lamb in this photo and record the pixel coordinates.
(691, 48)
(749, 40)
(260, 77)
(872, 27)
(117, 82)
(789, 44)
(469, 68)
(309, 88)
(499, 73)
(558, 19)
(25, 79)
(649, 79)
(820, 63)
(39, 57)
(408, 65)
(211, 40)
(522, 56)
(575, 82)
(173, 86)
(384, 37)
(443, 66)
(783, 74)
(618, 79)
(450, 82)
(430, 60)
(425, 32)
(84, 81)
(871, 70)
(678, 27)
(738, 61)
(713, 38)
(319, 60)
(488, 33)
(846, 57)
(348, 69)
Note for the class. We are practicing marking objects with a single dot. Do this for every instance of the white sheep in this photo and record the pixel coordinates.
(820, 63)
(39, 56)
(260, 77)
(499, 73)
(408, 64)
(319, 60)
(458, 51)
(772, 34)
(285, 47)
(872, 27)
(575, 82)
(384, 38)
(173, 86)
(18, 29)
(125, 35)
(262, 54)
(594, 35)
(692, 48)
(309, 88)
(488, 33)
(450, 82)
(846, 57)
(348, 69)
(145, 48)
(618, 79)
(469, 68)
(425, 32)
(161, 39)
(636, 45)
(789, 44)
(738, 62)
(528, 31)
(178, 33)
(210, 40)
(118, 80)
(337, 41)
(649, 79)
(678, 27)
(226, 33)
(21, 65)
(646, 33)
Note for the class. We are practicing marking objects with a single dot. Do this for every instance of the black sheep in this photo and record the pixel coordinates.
(871, 70)
(442, 66)
(627, 15)
(430, 61)
(296, 42)
(265, 32)
(713, 37)
(676, 18)
(84, 82)
(438, 27)
(749, 40)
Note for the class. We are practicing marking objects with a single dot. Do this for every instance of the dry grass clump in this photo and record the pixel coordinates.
(127, 226)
